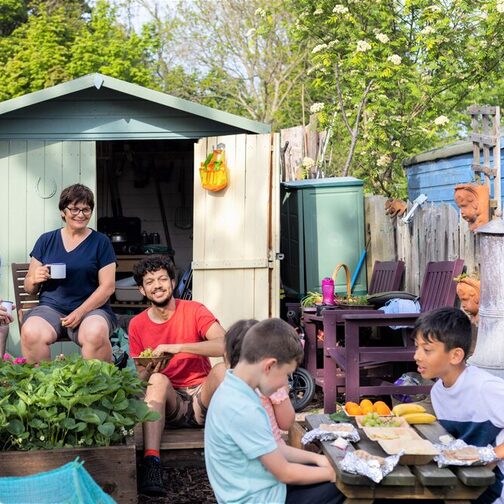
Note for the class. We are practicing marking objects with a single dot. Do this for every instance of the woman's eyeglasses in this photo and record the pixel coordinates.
(76, 211)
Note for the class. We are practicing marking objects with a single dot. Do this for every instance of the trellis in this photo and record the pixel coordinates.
(485, 122)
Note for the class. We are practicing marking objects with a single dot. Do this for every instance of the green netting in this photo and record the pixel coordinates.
(69, 484)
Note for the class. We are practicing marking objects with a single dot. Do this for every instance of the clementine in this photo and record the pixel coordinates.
(381, 408)
(353, 408)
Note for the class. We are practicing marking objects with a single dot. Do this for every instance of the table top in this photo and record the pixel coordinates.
(452, 484)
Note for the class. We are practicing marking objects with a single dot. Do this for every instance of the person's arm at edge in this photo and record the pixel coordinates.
(296, 472)
(284, 412)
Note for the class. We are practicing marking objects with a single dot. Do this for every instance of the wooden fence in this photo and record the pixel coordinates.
(435, 233)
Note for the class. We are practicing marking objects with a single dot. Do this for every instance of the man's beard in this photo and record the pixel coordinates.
(162, 304)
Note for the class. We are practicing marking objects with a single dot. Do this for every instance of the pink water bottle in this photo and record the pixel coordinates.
(328, 291)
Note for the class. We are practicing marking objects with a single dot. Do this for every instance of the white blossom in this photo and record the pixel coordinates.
(500, 6)
(250, 32)
(308, 163)
(384, 160)
(260, 12)
(395, 59)
(396, 144)
(318, 11)
(363, 46)
(441, 120)
(42, 438)
(340, 9)
(382, 38)
(428, 30)
(318, 48)
(333, 43)
(316, 107)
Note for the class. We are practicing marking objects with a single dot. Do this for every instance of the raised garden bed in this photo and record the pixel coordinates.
(112, 467)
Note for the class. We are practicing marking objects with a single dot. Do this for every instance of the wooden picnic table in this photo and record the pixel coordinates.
(451, 484)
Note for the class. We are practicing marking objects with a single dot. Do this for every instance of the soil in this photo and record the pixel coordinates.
(185, 485)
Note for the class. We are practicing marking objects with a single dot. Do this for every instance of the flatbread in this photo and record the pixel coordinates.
(364, 455)
(337, 427)
(467, 454)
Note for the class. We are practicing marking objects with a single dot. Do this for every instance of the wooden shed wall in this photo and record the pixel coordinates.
(32, 175)
(236, 274)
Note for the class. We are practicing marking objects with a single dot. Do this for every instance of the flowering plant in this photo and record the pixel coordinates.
(67, 402)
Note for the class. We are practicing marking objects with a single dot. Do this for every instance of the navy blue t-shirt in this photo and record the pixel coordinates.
(82, 266)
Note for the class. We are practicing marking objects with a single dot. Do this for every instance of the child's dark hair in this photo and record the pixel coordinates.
(151, 264)
(234, 339)
(449, 326)
(272, 338)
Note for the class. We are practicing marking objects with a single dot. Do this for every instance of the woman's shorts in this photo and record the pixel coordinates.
(53, 317)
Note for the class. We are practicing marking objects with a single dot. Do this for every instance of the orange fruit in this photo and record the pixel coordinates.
(366, 403)
(353, 408)
(367, 409)
(381, 408)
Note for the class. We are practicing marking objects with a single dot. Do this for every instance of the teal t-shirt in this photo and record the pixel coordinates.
(237, 433)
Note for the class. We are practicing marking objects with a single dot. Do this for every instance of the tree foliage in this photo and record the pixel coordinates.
(240, 54)
(392, 76)
(61, 40)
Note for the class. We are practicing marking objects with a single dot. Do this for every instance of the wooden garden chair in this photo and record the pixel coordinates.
(24, 301)
(437, 291)
(387, 276)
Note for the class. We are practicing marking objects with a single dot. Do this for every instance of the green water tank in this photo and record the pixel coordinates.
(322, 225)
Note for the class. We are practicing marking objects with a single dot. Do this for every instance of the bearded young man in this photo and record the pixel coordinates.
(179, 389)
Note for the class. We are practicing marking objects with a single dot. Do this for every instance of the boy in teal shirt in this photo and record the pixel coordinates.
(244, 462)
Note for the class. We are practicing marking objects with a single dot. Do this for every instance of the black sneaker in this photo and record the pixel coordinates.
(150, 481)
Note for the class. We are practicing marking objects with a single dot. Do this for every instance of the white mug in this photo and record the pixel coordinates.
(8, 306)
(57, 270)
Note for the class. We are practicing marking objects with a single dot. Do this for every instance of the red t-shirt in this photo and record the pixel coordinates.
(189, 324)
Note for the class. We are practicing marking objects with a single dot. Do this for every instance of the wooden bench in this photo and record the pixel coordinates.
(450, 484)
(178, 446)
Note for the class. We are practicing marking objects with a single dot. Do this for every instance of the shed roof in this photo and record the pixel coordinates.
(98, 107)
(454, 149)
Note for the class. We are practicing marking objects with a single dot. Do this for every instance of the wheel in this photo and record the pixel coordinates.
(301, 389)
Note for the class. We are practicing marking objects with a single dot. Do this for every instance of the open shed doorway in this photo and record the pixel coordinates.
(145, 197)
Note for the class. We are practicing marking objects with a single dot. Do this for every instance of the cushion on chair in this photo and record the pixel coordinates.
(380, 298)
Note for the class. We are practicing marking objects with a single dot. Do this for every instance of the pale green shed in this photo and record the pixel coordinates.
(135, 148)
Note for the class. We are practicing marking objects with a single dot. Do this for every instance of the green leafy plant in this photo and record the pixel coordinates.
(311, 299)
(68, 402)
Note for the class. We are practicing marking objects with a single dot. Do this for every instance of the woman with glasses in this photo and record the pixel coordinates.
(77, 305)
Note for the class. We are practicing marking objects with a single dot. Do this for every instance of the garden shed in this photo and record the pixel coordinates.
(436, 172)
(140, 150)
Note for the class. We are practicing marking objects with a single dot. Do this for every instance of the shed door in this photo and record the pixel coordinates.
(32, 175)
(236, 231)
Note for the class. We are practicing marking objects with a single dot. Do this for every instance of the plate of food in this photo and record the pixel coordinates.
(146, 357)
(375, 420)
(416, 451)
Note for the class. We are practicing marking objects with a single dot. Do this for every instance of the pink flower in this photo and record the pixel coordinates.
(7, 356)
(19, 360)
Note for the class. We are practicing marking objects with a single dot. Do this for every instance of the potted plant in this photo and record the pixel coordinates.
(58, 410)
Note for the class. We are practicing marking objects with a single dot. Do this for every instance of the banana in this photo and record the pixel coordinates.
(404, 409)
(419, 418)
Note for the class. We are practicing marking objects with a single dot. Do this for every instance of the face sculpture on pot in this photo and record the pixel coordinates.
(474, 204)
(468, 291)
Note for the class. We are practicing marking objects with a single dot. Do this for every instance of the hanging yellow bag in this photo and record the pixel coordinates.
(213, 171)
